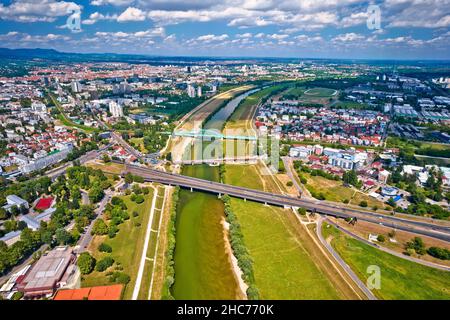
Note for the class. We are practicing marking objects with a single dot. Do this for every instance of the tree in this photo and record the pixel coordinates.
(104, 264)
(417, 245)
(391, 202)
(129, 178)
(96, 194)
(439, 253)
(381, 238)
(99, 227)
(106, 158)
(351, 178)
(363, 204)
(301, 211)
(86, 263)
(62, 236)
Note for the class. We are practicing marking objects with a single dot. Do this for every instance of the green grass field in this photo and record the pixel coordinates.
(336, 191)
(127, 246)
(282, 266)
(320, 92)
(400, 278)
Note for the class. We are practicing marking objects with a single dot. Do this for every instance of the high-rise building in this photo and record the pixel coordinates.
(191, 91)
(115, 109)
(199, 91)
(76, 86)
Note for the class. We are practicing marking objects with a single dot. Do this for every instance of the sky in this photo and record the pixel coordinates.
(388, 29)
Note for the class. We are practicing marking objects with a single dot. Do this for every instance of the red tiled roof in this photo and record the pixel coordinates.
(112, 292)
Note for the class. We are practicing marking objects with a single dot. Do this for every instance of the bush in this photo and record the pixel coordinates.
(417, 245)
(103, 247)
(301, 211)
(104, 264)
(289, 184)
(381, 238)
(440, 253)
(139, 199)
(119, 277)
(112, 231)
(252, 293)
(346, 201)
(363, 204)
(86, 263)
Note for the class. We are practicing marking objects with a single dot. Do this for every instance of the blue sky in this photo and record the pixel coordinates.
(408, 29)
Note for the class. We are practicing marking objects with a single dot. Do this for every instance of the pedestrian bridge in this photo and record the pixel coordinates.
(210, 134)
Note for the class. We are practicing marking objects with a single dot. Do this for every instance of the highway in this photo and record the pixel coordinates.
(424, 228)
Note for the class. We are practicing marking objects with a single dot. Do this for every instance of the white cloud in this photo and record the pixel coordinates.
(211, 37)
(96, 16)
(111, 2)
(348, 37)
(244, 35)
(37, 11)
(131, 14)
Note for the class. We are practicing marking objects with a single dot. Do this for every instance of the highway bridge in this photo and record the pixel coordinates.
(431, 229)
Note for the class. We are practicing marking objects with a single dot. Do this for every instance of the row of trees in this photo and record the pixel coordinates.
(240, 251)
(417, 246)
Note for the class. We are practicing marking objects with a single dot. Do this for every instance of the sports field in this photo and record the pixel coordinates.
(400, 278)
(320, 92)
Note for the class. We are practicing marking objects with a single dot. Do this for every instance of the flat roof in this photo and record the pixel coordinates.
(48, 270)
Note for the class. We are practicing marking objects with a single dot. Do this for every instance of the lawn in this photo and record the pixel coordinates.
(283, 267)
(139, 142)
(337, 192)
(126, 245)
(400, 278)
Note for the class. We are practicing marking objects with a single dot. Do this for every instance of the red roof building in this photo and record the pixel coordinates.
(112, 292)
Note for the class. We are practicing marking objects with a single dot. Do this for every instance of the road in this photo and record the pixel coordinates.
(425, 228)
(342, 263)
(86, 237)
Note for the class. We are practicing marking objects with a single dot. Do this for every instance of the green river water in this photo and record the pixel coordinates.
(202, 266)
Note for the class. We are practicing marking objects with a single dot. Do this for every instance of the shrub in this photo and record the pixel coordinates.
(381, 238)
(104, 264)
(363, 204)
(301, 211)
(138, 199)
(289, 183)
(103, 247)
(119, 277)
(440, 253)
